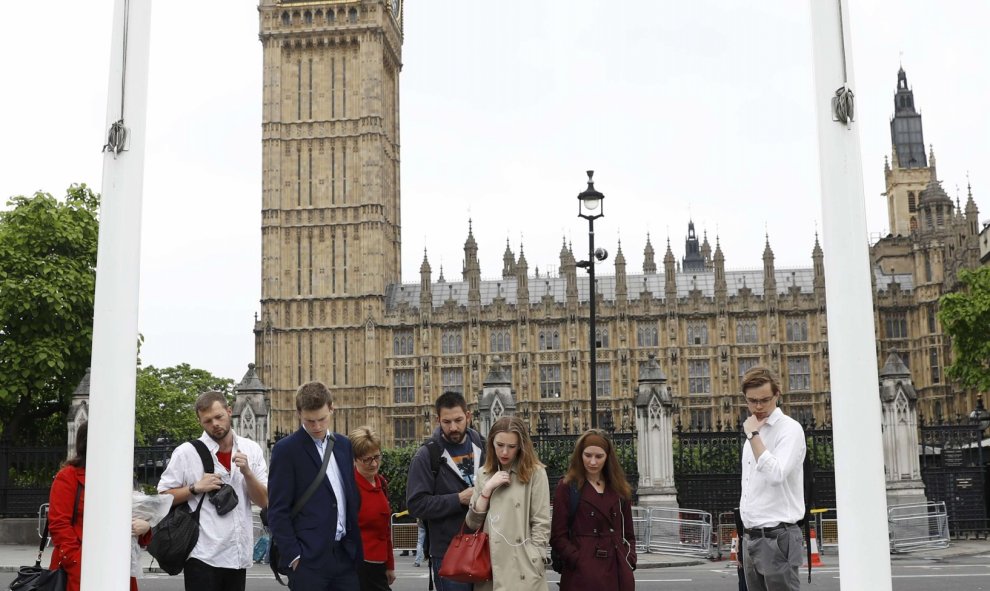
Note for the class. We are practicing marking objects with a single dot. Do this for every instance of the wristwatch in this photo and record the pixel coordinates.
(192, 489)
(753, 434)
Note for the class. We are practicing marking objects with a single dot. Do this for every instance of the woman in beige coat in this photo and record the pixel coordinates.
(512, 500)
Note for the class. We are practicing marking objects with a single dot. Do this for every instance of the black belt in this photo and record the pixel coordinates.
(767, 532)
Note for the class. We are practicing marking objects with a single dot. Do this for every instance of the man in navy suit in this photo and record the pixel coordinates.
(321, 545)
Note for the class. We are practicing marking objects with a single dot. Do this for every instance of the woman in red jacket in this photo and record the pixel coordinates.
(65, 515)
(377, 572)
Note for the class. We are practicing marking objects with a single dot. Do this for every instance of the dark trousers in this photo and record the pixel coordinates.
(372, 576)
(200, 576)
(446, 584)
(333, 571)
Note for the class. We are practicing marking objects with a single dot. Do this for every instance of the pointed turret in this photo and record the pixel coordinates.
(706, 251)
(522, 280)
(508, 262)
(621, 290)
(568, 267)
(972, 213)
(693, 261)
(472, 268)
(425, 284)
(649, 263)
(721, 289)
(905, 128)
(818, 261)
(769, 277)
(670, 275)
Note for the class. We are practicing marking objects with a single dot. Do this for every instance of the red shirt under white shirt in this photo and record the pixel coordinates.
(375, 520)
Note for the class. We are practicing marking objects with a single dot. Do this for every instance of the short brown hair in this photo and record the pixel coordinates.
(313, 396)
(205, 401)
(364, 441)
(757, 376)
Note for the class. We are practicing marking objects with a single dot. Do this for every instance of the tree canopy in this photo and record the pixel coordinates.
(965, 316)
(47, 284)
(165, 399)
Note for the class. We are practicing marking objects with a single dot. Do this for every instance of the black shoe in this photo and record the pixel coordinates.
(404, 553)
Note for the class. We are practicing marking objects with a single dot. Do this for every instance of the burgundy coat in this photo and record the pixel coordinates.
(596, 557)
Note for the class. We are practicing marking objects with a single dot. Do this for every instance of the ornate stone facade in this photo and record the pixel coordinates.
(333, 306)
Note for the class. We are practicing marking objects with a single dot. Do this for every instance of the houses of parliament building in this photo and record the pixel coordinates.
(334, 308)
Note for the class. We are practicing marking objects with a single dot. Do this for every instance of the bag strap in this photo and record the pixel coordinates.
(204, 455)
(316, 481)
(44, 534)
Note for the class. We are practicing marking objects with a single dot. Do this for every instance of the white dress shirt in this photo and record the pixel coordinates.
(337, 484)
(773, 485)
(225, 541)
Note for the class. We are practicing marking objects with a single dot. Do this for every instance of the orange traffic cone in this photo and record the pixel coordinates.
(816, 557)
(733, 550)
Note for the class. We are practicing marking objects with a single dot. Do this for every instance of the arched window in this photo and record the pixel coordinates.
(912, 206)
(308, 17)
(286, 19)
(352, 15)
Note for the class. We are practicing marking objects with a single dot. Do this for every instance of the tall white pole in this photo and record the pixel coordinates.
(110, 453)
(864, 556)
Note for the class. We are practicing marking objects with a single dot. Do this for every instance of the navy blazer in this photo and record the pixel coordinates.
(294, 465)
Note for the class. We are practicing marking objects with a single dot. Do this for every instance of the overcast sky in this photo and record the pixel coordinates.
(700, 109)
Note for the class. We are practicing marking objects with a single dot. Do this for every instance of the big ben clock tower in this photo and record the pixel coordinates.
(330, 222)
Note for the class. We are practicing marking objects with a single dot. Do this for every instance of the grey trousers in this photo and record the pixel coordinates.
(771, 564)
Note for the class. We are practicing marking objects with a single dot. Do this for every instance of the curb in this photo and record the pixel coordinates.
(650, 565)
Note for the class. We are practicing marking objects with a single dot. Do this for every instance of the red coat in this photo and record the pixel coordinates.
(66, 534)
(375, 520)
(597, 557)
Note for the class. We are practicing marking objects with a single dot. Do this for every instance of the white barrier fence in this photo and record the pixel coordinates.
(918, 526)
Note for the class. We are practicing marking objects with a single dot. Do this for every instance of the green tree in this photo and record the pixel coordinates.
(47, 285)
(965, 316)
(165, 399)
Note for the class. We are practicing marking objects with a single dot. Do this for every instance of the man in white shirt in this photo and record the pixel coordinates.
(223, 553)
(772, 499)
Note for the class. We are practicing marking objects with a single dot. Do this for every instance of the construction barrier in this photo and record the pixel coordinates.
(641, 528)
(726, 532)
(685, 532)
(404, 534)
(917, 526)
(827, 528)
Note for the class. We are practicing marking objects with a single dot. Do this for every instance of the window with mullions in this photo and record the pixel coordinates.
(549, 381)
(601, 338)
(549, 340)
(452, 379)
(451, 342)
(746, 364)
(405, 432)
(746, 331)
(647, 336)
(603, 379)
(402, 343)
(933, 365)
(701, 419)
(895, 325)
(799, 373)
(403, 386)
(797, 329)
(699, 376)
(500, 341)
(697, 332)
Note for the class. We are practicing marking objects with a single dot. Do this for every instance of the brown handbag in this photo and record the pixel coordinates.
(467, 559)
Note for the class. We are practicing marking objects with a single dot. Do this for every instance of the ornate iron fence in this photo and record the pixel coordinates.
(26, 474)
(708, 467)
(954, 469)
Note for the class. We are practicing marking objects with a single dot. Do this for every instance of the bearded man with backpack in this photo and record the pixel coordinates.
(441, 481)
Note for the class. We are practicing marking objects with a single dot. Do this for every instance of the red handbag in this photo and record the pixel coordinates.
(467, 559)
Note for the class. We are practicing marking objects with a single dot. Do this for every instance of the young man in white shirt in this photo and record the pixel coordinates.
(223, 553)
(772, 499)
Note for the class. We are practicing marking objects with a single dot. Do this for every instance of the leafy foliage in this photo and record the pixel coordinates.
(47, 284)
(965, 315)
(395, 469)
(165, 399)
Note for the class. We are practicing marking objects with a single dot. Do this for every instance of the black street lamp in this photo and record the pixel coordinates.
(980, 416)
(591, 207)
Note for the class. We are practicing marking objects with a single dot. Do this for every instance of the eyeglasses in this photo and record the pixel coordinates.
(371, 459)
(760, 401)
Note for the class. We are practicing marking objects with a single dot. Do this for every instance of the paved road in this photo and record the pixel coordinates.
(970, 573)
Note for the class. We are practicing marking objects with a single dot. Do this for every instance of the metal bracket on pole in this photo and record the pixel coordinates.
(118, 138)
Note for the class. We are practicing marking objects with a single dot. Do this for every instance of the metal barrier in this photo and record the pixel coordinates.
(917, 526)
(641, 528)
(42, 519)
(827, 528)
(724, 534)
(404, 534)
(680, 531)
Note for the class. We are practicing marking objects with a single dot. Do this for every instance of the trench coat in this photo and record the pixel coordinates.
(601, 553)
(518, 527)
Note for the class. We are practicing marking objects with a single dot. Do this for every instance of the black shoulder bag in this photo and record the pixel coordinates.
(36, 578)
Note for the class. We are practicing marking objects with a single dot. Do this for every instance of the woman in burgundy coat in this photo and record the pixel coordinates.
(599, 549)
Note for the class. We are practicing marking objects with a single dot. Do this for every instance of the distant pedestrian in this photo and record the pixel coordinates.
(599, 548)
(420, 537)
(772, 500)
